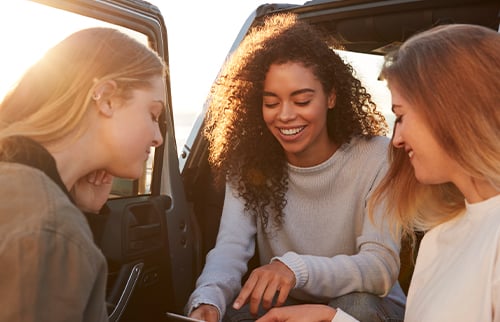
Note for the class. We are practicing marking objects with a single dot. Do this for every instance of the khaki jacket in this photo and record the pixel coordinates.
(51, 269)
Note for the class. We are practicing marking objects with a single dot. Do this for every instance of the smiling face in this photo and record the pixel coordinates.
(294, 109)
(133, 129)
(412, 133)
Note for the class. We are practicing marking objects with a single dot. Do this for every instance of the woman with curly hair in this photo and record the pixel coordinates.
(300, 144)
(444, 177)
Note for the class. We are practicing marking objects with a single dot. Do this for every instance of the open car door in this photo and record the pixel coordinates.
(145, 229)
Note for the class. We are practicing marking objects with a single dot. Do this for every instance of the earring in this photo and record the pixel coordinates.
(96, 96)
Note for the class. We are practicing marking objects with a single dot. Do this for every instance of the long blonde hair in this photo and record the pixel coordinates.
(51, 99)
(451, 74)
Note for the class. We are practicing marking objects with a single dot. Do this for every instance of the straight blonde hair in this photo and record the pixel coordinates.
(451, 75)
(51, 99)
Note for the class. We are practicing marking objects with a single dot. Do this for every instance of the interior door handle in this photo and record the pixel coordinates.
(127, 292)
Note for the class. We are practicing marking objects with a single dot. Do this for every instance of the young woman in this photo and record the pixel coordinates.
(444, 176)
(87, 111)
(301, 147)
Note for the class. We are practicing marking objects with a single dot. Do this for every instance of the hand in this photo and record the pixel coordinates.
(205, 312)
(91, 191)
(262, 285)
(300, 313)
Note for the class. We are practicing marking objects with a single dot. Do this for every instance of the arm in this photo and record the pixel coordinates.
(373, 269)
(306, 313)
(226, 263)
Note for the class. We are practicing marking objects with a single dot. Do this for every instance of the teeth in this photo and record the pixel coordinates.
(291, 131)
(410, 154)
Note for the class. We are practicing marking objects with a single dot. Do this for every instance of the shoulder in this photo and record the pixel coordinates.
(378, 145)
(373, 150)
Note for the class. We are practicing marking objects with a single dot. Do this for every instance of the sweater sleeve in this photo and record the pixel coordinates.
(226, 263)
(374, 268)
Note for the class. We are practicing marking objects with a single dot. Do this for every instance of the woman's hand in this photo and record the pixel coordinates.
(91, 192)
(206, 312)
(300, 313)
(263, 284)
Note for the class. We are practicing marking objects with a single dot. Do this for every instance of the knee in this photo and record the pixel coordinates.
(363, 306)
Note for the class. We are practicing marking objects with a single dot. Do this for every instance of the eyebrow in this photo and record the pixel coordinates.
(297, 92)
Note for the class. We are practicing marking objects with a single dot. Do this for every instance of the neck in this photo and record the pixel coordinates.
(477, 190)
(74, 160)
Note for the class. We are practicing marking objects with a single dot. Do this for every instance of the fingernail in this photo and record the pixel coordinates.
(236, 305)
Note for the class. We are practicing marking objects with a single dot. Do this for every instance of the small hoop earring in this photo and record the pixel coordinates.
(96, 97)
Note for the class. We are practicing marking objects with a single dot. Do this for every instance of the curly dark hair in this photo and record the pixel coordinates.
(241, 148)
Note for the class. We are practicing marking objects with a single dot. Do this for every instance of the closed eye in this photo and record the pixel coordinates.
(304, 103)
(270, 105)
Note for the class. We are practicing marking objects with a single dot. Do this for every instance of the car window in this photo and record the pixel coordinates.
(367, 68)
(25, 38)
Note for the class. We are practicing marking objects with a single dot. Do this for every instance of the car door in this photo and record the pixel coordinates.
(145, 229)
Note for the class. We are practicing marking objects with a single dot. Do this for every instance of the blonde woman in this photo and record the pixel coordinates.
(87, 111)
(444, 177)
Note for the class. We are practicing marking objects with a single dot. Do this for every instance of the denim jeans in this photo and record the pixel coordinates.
(365, 307)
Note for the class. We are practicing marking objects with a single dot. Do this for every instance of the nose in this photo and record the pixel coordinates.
(397, 138)
(158, 138)
(287, 112)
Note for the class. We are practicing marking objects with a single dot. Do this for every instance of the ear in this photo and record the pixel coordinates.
(332, 99)
(103, 94)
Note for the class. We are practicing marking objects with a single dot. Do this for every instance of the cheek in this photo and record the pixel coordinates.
(268, 116)
(317, 115)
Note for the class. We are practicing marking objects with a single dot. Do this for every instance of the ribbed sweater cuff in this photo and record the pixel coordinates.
(295, 263)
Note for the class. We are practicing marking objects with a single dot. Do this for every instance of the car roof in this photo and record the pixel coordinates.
(370, 26)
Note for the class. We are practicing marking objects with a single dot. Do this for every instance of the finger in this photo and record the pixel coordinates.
(245, 292)
(91, 177)
(108, 178)
(269, 294)
(205, 313)
(271, 316)
(99, 174)
(283, 294)
(256, 296)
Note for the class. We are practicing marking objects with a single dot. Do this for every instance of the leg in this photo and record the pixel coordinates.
(367, 307)
(244, 315)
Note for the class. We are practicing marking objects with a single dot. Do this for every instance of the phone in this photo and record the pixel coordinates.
(178, 317)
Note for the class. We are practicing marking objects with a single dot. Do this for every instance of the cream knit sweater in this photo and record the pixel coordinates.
(327, 239)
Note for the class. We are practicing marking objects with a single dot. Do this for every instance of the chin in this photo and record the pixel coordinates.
(427, 180)
(131, 174)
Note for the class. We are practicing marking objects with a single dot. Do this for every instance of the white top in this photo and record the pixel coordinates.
(457, 273)
(327, 239)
